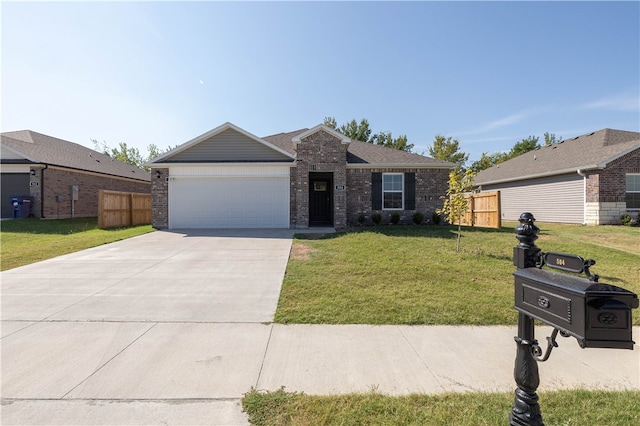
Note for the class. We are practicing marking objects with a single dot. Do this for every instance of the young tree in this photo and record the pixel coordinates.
(455, 203)
(446, 149)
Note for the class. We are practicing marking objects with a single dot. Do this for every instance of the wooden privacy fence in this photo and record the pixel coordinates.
(484, 208)
(118, 209)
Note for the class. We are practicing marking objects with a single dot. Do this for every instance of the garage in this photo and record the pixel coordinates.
(12, 184)
(228, 197)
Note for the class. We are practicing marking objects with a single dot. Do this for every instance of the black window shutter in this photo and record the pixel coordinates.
(376, 191)
(409, 191)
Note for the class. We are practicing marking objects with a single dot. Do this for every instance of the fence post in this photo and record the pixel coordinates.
(130, 219)
(100, 208)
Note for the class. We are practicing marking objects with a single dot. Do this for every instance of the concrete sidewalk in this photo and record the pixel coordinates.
(174, 328)
(141, 373)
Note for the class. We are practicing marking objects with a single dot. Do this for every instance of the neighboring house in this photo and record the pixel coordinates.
(48, 170)
(590, 179)
(229, 178)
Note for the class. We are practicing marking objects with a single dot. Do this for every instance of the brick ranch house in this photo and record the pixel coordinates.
(46, 169)
(591, 179)
(230, 178)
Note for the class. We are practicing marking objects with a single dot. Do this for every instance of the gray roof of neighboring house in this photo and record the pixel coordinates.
(364, 153)
(43, 149)
(591, 151)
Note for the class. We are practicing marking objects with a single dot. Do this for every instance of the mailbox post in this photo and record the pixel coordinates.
(596, 314)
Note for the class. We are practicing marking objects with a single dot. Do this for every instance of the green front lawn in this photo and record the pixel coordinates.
(412, 274)
(26, 241)
(566, 408)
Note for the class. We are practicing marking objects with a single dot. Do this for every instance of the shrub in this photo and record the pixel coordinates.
(435, 218)
(417, 218)
(361, 219)
(626, 220)
(395, 218)
(376, 218)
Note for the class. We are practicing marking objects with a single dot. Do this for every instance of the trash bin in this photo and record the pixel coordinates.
(21, 206)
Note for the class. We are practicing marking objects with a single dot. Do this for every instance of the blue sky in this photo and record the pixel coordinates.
(486, 73)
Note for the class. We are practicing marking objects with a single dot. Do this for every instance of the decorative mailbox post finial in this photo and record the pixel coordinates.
(527, 232)
(525, 254)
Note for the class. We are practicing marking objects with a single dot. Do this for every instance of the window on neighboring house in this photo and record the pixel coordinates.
(392, 190)
(633, 191)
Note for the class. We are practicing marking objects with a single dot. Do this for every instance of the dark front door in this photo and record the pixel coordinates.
(320, 199)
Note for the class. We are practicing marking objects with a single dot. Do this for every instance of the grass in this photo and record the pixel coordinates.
(567, 408)
(412, 274)
(25, 241)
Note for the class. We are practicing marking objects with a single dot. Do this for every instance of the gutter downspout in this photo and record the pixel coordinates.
(584, 196)
(46, 166)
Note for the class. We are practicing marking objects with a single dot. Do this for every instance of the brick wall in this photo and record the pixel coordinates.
(160, 199)
(56, 192)
(609, 185)
(431, 184)
(606, 189)
(319, 152)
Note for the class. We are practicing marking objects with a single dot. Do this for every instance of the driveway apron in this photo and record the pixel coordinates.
(167, 327)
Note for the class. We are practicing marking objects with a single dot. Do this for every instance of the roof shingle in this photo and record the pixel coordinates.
(590, 151)
(363, 153)
(53, 151)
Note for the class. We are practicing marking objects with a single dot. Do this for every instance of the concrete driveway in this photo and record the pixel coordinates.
(164, 328)
(173, 328)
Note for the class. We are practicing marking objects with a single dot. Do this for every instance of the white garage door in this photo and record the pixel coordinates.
(238, 201)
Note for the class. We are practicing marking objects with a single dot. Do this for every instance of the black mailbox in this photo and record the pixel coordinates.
(597, 314)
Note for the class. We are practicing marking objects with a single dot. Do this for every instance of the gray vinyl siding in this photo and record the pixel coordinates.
(557, 199)
(229, 146)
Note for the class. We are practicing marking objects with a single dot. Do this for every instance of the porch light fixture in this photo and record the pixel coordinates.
(158, 173)
(33, 172)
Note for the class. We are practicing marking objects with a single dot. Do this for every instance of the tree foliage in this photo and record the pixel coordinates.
(129, 154)
(361, 131)
(386, 139)
(488, 160)
(550, 138)
(525, 145)
(447, 149)
(455, 203)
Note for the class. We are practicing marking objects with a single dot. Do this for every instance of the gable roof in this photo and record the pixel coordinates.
(36, 148)
(321, 127)
(587, 152)
(229, 143)
(363, 154)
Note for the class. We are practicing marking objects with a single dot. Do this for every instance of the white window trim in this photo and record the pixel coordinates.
(401, 191)
(631, 209)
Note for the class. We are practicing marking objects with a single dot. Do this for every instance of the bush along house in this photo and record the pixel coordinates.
(230, 178)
